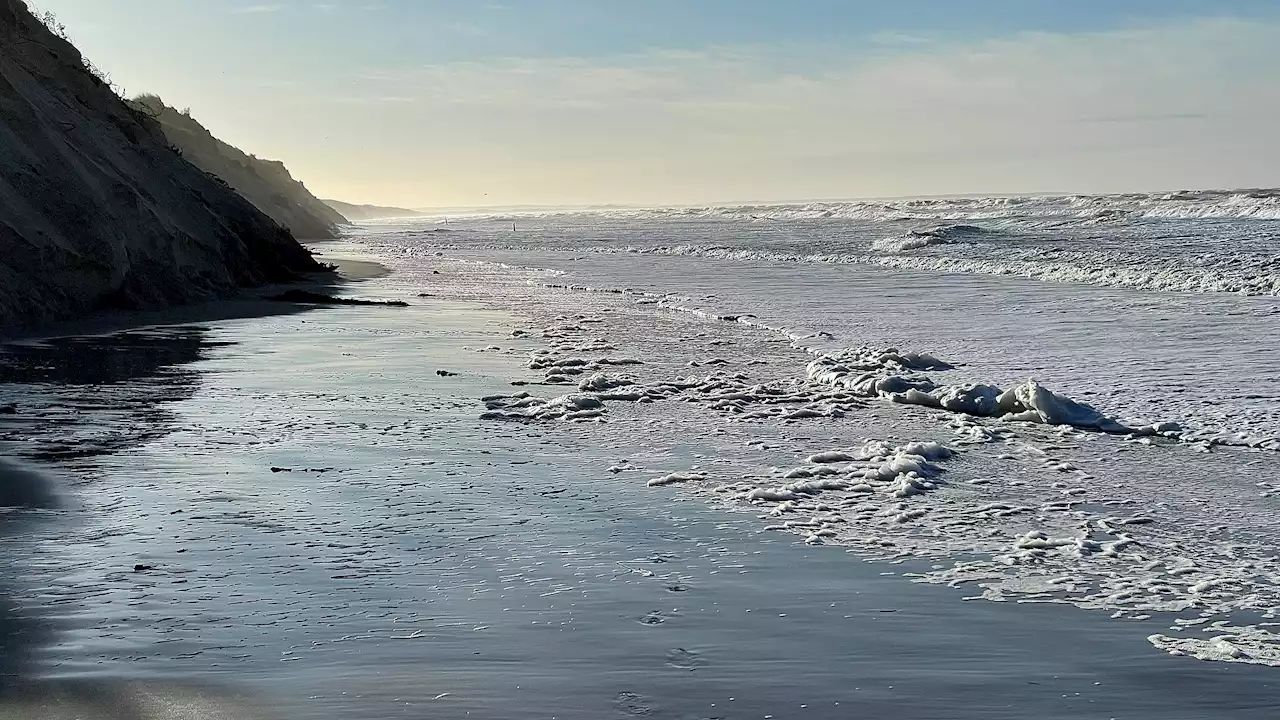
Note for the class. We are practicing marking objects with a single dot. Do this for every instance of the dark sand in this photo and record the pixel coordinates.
(417, 563)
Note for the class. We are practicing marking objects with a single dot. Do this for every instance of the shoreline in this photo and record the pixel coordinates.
(248, 303)
(381, 505)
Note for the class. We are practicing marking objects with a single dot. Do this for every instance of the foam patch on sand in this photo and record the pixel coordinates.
(1021, 494)
(1251, 644)
(890, 374)
(1052, 541)
(874, 485)
(975, 399)
(675, 478)
(523, 406)
(898, 376)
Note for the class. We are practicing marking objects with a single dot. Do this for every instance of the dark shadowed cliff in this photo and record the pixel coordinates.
(265, 183)
(96, 210)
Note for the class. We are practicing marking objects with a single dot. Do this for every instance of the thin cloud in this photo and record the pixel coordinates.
(1172, 72)
(1151, 118)
(899, 38)
(252, 9)
(1185, 102)
(333, 7)
(1144, 105)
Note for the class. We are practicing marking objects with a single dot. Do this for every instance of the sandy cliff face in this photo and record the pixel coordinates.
(265, 183)
(96, 210)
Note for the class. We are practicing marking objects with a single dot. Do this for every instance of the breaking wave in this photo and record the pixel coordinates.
(1259, 204)
(916, 239)
(1188, 241)
(1229, 274)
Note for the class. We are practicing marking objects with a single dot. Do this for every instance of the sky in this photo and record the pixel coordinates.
(435, 103)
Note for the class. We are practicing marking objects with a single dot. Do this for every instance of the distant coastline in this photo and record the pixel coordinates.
(358, 213)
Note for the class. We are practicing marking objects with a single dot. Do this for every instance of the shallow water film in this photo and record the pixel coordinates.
(587, 473)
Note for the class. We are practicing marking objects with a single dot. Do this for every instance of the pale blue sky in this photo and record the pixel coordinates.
(441, 102)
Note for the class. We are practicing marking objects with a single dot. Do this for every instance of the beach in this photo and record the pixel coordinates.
(682, 361)
(359, 511)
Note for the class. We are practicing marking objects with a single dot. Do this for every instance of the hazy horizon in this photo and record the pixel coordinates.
(431, 209)
(567, 103)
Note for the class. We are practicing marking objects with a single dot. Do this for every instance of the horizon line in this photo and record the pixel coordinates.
(874, 198)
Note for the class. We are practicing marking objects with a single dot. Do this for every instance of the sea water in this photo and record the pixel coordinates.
(587, 474)
(1106, 370)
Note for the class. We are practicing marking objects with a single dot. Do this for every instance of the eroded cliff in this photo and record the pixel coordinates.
(96, 210)
(265, 183)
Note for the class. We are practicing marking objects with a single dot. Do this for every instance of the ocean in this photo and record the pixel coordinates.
(932, 458)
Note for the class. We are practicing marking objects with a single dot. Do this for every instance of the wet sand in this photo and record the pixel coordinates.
(352, 269)
(405, 559)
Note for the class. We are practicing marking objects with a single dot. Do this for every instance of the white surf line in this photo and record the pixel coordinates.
(1037, 541)
(880, 500)
(1028, 402)
(1169, 279)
